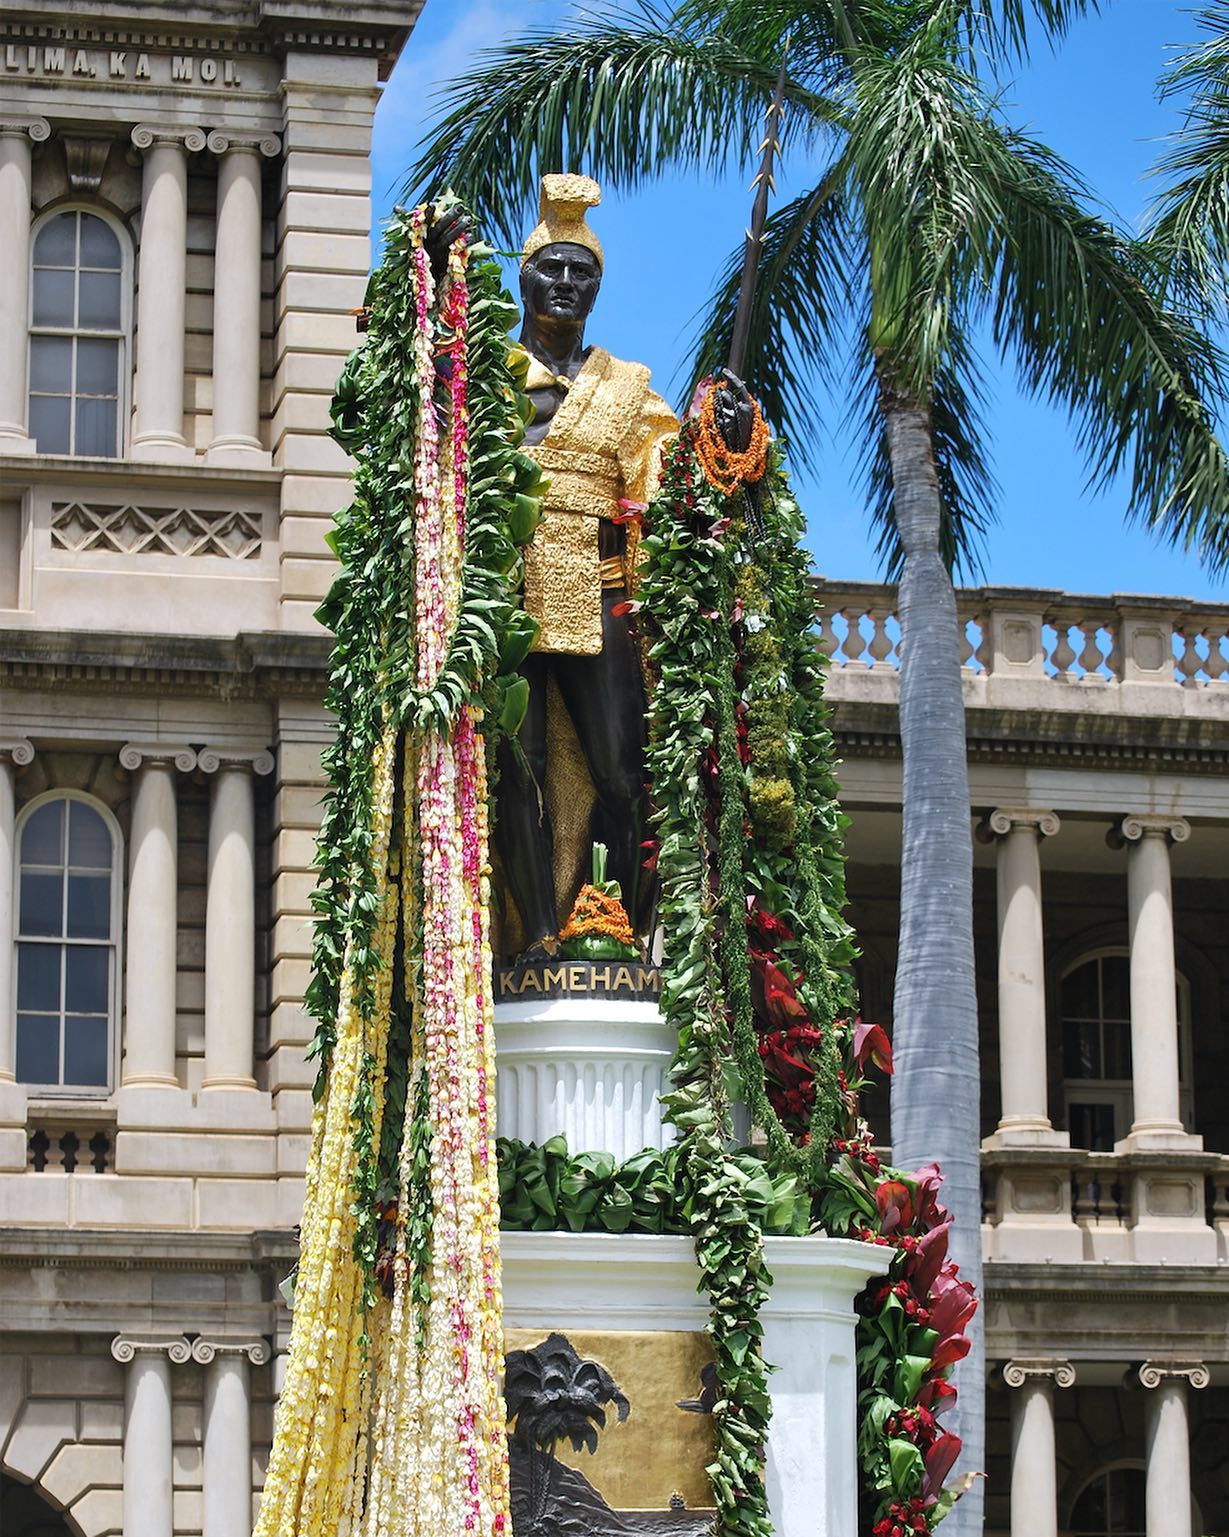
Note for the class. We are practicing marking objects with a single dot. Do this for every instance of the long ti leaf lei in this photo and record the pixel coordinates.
(391, 1417)
(755, 946)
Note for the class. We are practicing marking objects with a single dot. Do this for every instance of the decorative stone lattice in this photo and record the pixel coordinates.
(234, 534)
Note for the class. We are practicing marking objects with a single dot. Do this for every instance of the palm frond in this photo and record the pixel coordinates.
(1189, 220)
(915, 145)
(623, 99)
(1003, 28)
(967, 487)
(802, 296)
(1078, 304)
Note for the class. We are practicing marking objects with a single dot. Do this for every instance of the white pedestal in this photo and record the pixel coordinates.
(601, 1281)
(593, 1069)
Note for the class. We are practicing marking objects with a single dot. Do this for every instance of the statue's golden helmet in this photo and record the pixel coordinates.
(565, 200)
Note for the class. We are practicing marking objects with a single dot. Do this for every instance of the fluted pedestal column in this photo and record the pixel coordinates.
(1034, 1476)
(1167, 1503)
(230, 918)
(148, 1462)
(227, 1459)
(153, 899)
(161, 290)
(236, 300)
(17, 133)
(1157, 1119)
(15, 754)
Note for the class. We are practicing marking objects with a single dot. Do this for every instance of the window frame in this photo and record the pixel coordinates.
(1120, 1092)
(115, 1011)
(123, 405)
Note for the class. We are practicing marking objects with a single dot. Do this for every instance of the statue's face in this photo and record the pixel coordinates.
(560, 282)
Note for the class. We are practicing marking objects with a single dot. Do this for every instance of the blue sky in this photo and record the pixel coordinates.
(1094, 102)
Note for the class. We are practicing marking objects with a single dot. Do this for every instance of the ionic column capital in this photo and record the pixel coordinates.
(1153, 1373)
(1059, 1372)
(15, 125)
(17, 750)
(135, 755)
(256, 1349)
(126, 1347)
(221, 140)
(1006, 819)
(253, 760)
(1138, 825)
(151, 135)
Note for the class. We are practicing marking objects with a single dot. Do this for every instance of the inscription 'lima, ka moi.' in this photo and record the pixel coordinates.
(56, 61)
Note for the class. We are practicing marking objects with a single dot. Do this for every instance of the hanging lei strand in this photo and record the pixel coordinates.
(392, 1419)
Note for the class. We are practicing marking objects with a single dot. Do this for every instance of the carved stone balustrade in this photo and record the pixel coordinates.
(1037, 648)
(1064, 1205)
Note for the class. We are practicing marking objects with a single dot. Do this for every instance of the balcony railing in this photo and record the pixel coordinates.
(1031, 647)
(1167, 1207)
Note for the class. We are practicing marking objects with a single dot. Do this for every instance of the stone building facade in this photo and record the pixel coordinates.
(184, 228)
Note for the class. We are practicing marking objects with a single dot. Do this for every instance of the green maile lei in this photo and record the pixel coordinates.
(376, 414)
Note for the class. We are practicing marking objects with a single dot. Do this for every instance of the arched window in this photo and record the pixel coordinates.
(1095, 1020)
(1111, 1505)
(67, 941)
(78, 325)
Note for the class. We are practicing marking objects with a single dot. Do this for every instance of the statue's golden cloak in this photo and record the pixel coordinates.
(604, 443)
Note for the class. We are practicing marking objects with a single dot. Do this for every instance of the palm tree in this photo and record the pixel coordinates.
(554, 1395)
(930, 221)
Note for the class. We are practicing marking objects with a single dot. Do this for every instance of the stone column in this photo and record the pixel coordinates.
(148, 1464)
(1167, 1503)
(16, 135)
(236, 300)
(230, 918)
(1022, 1004)
(161, 290)
(1034, 1477)
(153, 901)
(1157, 1122)
(227, 1462)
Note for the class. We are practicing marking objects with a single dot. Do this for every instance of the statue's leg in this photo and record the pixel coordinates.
(604, 695)
(522, 827)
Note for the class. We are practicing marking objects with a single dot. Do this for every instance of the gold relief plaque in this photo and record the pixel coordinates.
(640, 1472)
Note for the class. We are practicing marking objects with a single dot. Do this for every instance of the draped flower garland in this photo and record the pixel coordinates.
(391, 1420)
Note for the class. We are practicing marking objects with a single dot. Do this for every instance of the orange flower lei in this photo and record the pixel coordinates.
(725, 468)
(596, 913)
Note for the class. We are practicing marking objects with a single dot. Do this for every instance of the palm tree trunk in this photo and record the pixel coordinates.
(937, 1085)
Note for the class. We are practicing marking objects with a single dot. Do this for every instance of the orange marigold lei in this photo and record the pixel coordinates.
(594, 912)
(726, 468)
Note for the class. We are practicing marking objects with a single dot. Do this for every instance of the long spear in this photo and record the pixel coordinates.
(763, 184)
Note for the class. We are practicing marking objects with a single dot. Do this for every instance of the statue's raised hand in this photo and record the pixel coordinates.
(442, 232)
(733, 411)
